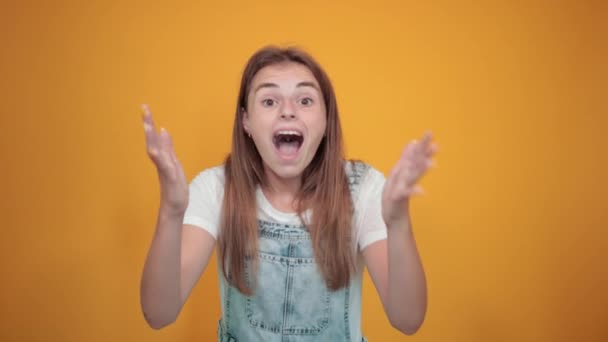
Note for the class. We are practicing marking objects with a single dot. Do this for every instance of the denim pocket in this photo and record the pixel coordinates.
(223, 336)
(290, 297)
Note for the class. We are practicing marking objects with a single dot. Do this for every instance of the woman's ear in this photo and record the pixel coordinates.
(245, 121)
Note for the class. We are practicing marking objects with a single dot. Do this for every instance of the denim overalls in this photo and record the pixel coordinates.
(291, 302)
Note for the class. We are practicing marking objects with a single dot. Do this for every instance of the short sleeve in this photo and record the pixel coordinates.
(368, 209)
(205, 200)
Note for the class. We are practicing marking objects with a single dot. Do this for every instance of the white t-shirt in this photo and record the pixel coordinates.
(207, 193)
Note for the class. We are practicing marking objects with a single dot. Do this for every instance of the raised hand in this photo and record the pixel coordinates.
(402, 181)
(173, 183)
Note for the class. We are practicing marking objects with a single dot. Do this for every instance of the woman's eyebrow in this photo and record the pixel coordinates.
(265, 85)
(274, 85)
(307, 84)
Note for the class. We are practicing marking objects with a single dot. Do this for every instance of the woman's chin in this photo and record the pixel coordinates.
(285, 171)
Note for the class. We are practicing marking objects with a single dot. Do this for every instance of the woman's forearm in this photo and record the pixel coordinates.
(160, 283)
(407, 294)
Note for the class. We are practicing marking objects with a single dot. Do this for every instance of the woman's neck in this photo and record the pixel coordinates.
(281, 192)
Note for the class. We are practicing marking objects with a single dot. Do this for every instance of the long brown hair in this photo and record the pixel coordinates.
(324, 187)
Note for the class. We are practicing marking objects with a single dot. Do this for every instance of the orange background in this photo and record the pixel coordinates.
(512, 230)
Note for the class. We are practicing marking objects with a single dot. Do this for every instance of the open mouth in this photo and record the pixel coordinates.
(288, 143)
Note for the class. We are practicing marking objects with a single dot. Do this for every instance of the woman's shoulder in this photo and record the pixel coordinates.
(213, 175)
(357, 170)
(362, 175)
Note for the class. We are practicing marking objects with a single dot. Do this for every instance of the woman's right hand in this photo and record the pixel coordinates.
(173, 184)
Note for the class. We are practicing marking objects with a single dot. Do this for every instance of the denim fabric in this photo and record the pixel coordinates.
(291, 302)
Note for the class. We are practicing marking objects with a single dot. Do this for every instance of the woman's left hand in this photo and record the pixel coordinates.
(415, 160)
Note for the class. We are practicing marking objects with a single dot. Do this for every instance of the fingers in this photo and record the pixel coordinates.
(407, 153)
(147, 118)
(432, 149)
(421, 148)
(417, 190)
(167, 145)
(159, 145)
(413, 156)
(426, 140)
(401, 186)
(415, 160)
(152, 139)
(389, 185)
(425, 150)
(427, 147)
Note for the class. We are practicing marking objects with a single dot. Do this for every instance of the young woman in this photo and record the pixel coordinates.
(294, 222)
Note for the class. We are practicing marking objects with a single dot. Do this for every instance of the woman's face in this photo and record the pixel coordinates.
(286, 117)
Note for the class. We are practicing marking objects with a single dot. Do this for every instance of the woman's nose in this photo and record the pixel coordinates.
(288, 111)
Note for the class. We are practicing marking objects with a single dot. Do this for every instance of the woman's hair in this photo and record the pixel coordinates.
(324, 187)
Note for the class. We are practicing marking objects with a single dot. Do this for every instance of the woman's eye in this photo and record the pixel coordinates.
(307, 101)
(268, 102)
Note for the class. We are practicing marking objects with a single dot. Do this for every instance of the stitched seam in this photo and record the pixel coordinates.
(288, 286)
(346, 307)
